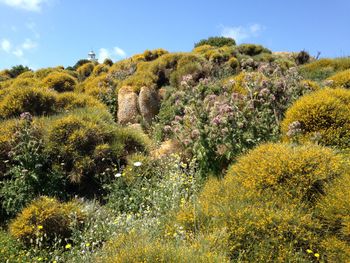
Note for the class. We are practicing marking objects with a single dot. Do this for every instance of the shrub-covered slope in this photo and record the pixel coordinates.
(227, 153)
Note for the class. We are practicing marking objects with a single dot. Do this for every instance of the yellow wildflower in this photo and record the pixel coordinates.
(40, 227)
(317, 255)
(68, 246)
(309, 251)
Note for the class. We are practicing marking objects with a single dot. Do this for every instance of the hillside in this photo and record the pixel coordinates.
(227, 153)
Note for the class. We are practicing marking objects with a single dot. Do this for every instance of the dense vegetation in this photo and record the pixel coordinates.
(228, 153)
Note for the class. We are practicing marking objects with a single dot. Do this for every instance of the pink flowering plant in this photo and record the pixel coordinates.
(215, 124)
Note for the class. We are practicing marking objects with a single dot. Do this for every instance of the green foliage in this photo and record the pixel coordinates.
(252, 50)
(80, 63)
(324, 68)
(48, 218)
(108, 62)
(59, 82)
(28, 174)
(216, 42)
(86, 143)
(150, 55)
(322, 116)
(17, 70)
(152, 186)
(216, 124)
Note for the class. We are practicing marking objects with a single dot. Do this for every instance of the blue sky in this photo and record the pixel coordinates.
(43, 33)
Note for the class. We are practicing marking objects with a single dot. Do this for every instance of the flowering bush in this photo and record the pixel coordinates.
(215, 124)
(322, 116)
(60, 82)
(265, 204)
(47, 218)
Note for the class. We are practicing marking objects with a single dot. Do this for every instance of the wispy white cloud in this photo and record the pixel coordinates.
(115, 53)
(119, 52)
(29, 44)
(240, 33)
(17, 50)
(6, 45)
(29, 5)
(103, 54)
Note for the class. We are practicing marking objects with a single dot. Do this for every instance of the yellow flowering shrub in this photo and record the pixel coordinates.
(293, 172)
(7, 129)
(135, 248)
(99, 69)
(334, 207)
(24, 83)
(60, 82)
(85, 70)
(71, 100)
(47, 217)
(5, 75)
(44, 72)
(322, 116)
(86, 142)
(37, 101)
(341, 79)
(98, 86)
(263, 203)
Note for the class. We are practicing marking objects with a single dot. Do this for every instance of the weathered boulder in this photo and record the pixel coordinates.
(148, 103)
(128, 111)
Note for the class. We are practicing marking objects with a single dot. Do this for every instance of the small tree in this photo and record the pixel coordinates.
(17, 70)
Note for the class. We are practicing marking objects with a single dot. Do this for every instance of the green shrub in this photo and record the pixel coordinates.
(216, 42)
(60, 82)
(17, 70)
(27, 171)
(252, 50)
(322, 116)
(80, 63)
(34, 100)
(46, 217)
(86, 144)
(108, 62)
(324, 68)
(150, 55)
